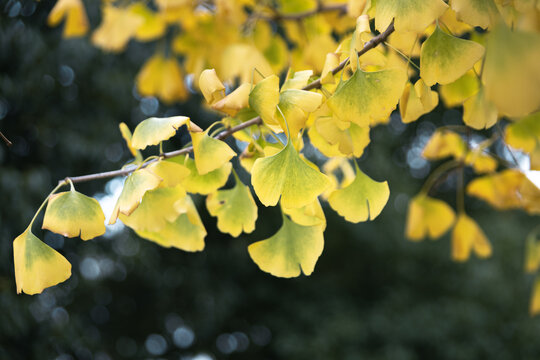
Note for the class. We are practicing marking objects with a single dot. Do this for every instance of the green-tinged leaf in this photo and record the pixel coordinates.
(409, 15)
(524, 134)
(234, 208)
(287, 176)
(309, 215)
(74, 214)
(476, 12)
(207, 183)
(154, 130)
(368, 96)
(298, 81)
(478, 112)
(532, 253)
(264, 99)
(135, 186)
(296, 106)
(351, 141)
(456, 93)
(445, 58)
(170, 172)
(428, 217)
(209, 153)
(157, 207)
(37, 265)
(362, 200)
(292, 250)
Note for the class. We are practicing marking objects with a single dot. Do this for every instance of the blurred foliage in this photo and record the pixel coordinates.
(373, 294)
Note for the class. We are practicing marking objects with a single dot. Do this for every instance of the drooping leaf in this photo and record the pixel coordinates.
(410, 15)
(481, 162)
(37, 265)
(478, 112)
(444, 143)
(411, 106)
(298, 80)
(524, 134)
(234, 208)
(135, 186)
(532, 253)
(264, 99)
(75, 15)
(212, 88)
(235, 101)
(467, 236)
(118, 26)
(309, 215)
(428, 217)
(287, 176)
(445, 58)
(170, 172)
(154, 130)
(294, 249)
(362, 200)
(209, 152)
(72, 214)
(476, 12)
(296, 106)
(500, 190)
(368, 96)
(153, 25)
(162, 77)
(126, 134)
(207, 183)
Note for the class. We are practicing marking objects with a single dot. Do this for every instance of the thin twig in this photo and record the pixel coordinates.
(225, 134)
(6, 140)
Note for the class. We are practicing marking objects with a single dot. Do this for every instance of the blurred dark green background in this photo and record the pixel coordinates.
(373, 294)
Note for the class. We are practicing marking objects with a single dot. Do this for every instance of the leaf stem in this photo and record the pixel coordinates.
(437, 173)
(60, 184)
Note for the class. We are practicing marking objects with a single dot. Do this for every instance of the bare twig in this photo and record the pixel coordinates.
(226, 133)
(6, 140)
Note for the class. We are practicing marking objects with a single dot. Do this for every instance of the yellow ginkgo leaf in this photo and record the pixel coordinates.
(252, 58)
(368, 96)
(294, 249)
(319, 142)
(481, 162)
(186, 233)
(118, 26)
(234, 208)
(162, 77)
(410, 15)
(209, 153)
(445, 58)
(476, 12)
(362, 200)
(411, 106)
(309, 215)
(75, 15)
(456, 93)
(500, 190)
(212, 88)
(235, 101)
(331, 62)
(351, 141)
(524, 134)
(511, 73)
(428, 217)
(287, 176)
(135, 186)
(532, 253)
(170, 172)
(37, 265)
(535, 298)
(126, 134)
(264, 99)
(296, 106)
(298, 81)
(157, 207)
(207, 183)
(444, 143)
(153, 25)
(478, 112)
(154, 130)
(467, 236)
(72, 214)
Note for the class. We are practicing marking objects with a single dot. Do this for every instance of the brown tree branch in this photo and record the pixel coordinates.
(226, 133)
(6, 140)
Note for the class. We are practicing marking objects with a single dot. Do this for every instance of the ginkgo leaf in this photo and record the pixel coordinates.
(126, 134)
(207, 183)
(186, 233)
(235, 101)
(411, 106)
(264, 99)
(351, 141)
(74, 13)
(294, 249)
(445, 58)
(500, 190)
(362, 200)
(478, 112)
(511, 72)
(368, 96)
(295, 106)
(118, 26)
(467, 236)
(456, 93)
(234, 208)
(135, 186)
(428, 217)
(298, 81)
(476, 12)
(153, 25)
(154, 130)
(524, 134)
(37, 265)
(212, 88)
(170, 172)
(331, 62)
(534, 308)
(410, 15)
(532, 253)
(287, 176)
(162, 77)
(72, 214)
(444, 143)
(209, 152)
(481, 162)
(309, 215)
(251, 59)
(157, 207)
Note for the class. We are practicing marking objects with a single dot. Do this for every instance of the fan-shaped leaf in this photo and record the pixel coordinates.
(478, 112)
(428, 217)
(207, 183)
(264, 99)
(467, 236)
(210, 153)
(154, 130)
(410, 15)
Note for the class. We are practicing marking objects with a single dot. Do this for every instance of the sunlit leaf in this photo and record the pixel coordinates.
(234, 208)
(118, 26)
(500, 190)
(362, 200)
(287, 176)
(294, 249)
(467, 236)
(126, 134)
(235, 101)
(154, 130)
(444, 143)
(456, 93)
(476, 12)
(298, 81)
(170, 172)
(410, 15)
(73, 214)
(162, 77)
(309, 215)
(207, 183)
(411, 106)
(524, 134)
(251, 59)
(296, 105)
(478, 112)
(153, 26)
(209, 152)
(75, 15)
(37, 265)
(264, 99)
(428, 217)
(212, 88)
(368, 96)
(481, 162)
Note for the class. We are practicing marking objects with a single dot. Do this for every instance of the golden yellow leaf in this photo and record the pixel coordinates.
(500, 190)
(170, 172)
(264, 99)
(154, 130)
(411, 106)
(535, 298)
(162, 77)
(209, 152)
(118, 26)
(235, 101)
(153, 25)
(456, 93)
(478, 112)
(481, 13)
(524, 134)
(410, 15)
(212, 88)
(75, 15)
(206, 183)
(444, 143)
(428, 217)
(467, 236)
